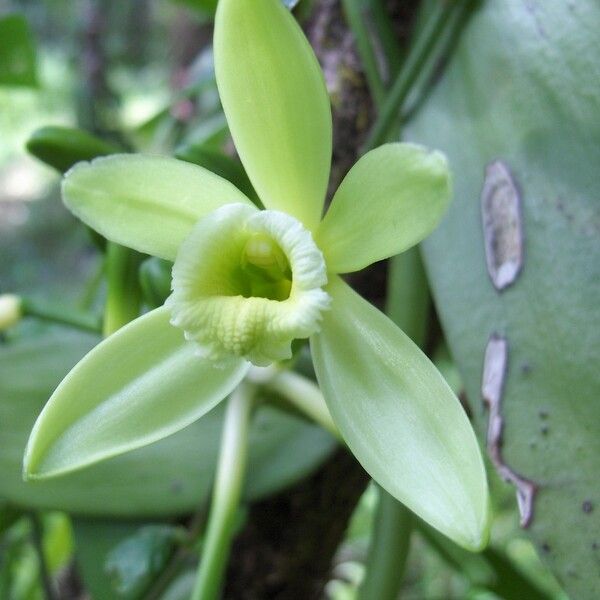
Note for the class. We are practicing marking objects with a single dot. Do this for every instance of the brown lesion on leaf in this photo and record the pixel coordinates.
(492, 387)
(502, 225)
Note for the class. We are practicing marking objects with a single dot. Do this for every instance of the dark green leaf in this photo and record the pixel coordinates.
(218, 163)
(490, 570)
(62, 147)
(155, 279)
(135, 562)
(17, 53)
(208, 7)
(204, 7)
(9, 515)
(94, 539)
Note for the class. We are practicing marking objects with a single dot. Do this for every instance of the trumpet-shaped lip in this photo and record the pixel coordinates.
(208, 301)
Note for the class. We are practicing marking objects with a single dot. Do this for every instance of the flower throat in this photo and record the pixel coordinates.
(265, 269)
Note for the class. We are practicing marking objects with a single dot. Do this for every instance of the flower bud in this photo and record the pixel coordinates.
(10, 311)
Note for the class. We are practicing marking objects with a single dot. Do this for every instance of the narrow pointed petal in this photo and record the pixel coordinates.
(400, 418)
(391, 199)
(276, 104)
(148, 203)
(138, 386)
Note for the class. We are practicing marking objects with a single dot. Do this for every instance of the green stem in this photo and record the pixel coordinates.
(443, 51)
(418, 55)
(357, 22)
(387, 36)
(37, 538)
(388, 551)
(229, 481)
(72, 317)
(123, 298)
(92, 286)
(304, 395)
(180, 559)
(408, 301)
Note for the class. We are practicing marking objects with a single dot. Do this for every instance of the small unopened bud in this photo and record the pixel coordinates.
(10, 311)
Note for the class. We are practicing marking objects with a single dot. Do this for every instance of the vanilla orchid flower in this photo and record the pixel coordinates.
(248, 282)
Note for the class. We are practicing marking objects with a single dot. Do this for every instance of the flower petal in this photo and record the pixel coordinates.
(148, 203)
(391, 199)
(138, 386)
(276, 104)
(400, 418)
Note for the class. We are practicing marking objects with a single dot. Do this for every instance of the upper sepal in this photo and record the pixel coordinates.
(276, 103)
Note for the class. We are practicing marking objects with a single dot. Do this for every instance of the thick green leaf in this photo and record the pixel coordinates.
(171, 476)
(62, 147)
(205, 7)
(9, 515)
(155, 280)
(524, 88)
(400, 418)
(391, 199)
(276, 104)
(17, 53)
(148, 203)
(215, 161)
(138, 386)
(208, 7)
(136, 561)
(94, 540)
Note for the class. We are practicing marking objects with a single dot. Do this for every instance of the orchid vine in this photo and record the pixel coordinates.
(248, 281)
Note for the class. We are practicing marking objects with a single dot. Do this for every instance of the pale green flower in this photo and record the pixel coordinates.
(247, 282)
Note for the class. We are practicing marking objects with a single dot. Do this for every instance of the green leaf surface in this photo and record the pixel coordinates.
(204, 7)
(524, 88)
(155, 280)
(63, 147)
(276, 104)
(400, 418)
(17, 53)
(94, 540)
(231, 169)
(136, 561)
(170, 477)
(9, 515)
(391, 199)
(148, 203)
(138, 386)
(491, 570)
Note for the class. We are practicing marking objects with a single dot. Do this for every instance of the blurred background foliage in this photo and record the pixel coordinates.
(138, 74)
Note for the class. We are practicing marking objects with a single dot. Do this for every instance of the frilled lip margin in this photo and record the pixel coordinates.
(207, 302)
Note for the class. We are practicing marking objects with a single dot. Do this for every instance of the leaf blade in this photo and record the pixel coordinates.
(17, 53)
